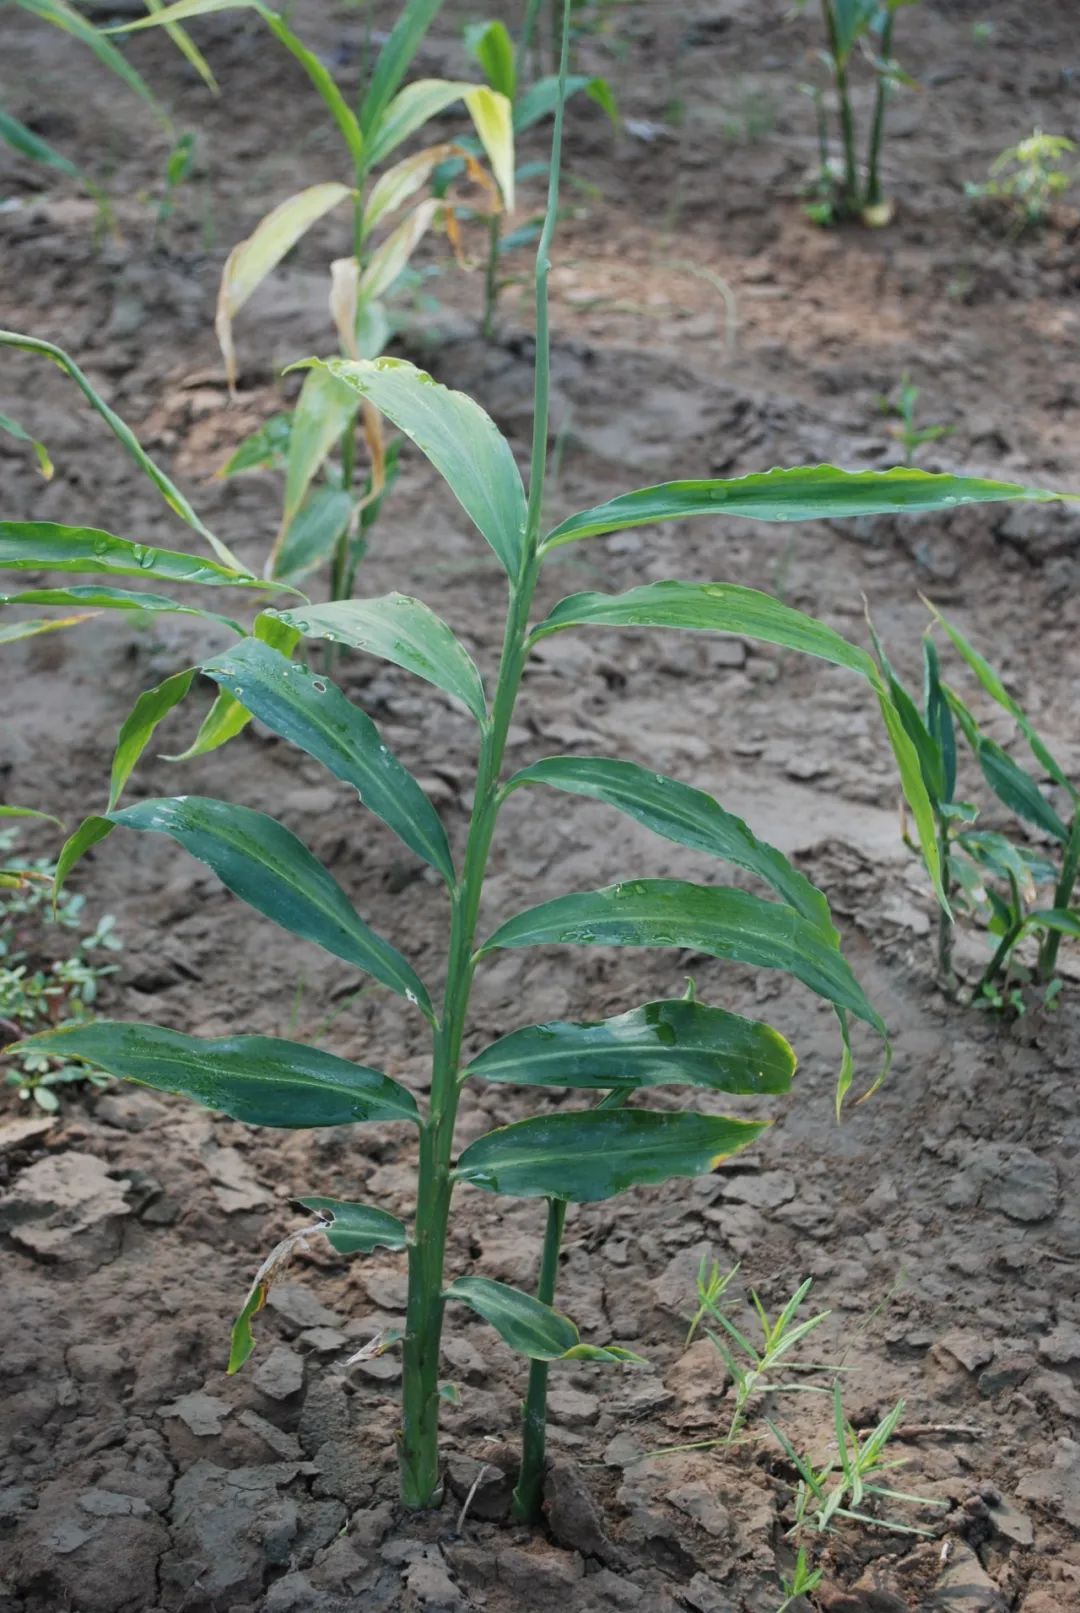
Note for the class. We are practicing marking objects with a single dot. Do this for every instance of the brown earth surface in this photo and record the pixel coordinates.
(939, 1221)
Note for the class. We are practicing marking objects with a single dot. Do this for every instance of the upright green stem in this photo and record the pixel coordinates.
(877, 127)
(419, 1436)
(491, 276)
(530, 1487)
(945, 919)
(847, 121)
(1063, 893)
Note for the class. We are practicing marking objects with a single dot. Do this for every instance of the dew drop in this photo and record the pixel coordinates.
(318, 685)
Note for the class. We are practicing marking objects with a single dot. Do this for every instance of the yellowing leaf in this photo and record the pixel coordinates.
(388, 260)
(344, 301)
(492, 116)
(404, 179)
(250, 261)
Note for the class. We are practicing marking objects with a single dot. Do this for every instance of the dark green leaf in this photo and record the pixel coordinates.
(227, 717)
(357, 1228)
(312, 713)
(258, 1079)
(460, 440)
(1018, 790)
(804, 493)
(104, 597)
(149, 710)
(394, 59)
(265, 449)
(45, 546)
(1065, 921)
(685, 815)
(524, 1323)
(660, 1044)
(31, 145)
(939, 722)
(596, 1154)
(715, 920)
(401, 630)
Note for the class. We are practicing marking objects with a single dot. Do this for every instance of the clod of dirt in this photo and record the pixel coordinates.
(299, 1309)
(281, 1374)
(18, 1132)
(1057, 1487)
(573, 1516)
(203, 1414)
(66, 1207)
(965, 1586)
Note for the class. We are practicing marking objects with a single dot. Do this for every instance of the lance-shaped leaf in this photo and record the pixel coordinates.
(1066, 921)
(715, 920)
(660, 1044)
(541, 99)
(12, 427)
(804, 493)
(265, 449)
(394, 59)
(391, 256)
(594, 1155)
(261, 1080)
(460, 440)
(227, 717)
(529, 1326)
(1018, 790)
(149, 710)
(493, 48)
(394, 187)
(314, 532)
(263, 863)
(413, 106)
(14, 631)
(123, 433)
(401, 630)
(251, 260)
(685, 815)
(493, 120)
(106, 598)
(28, 812)
(46, 546)
(324, 410)
(357, 1228)
(312, 713)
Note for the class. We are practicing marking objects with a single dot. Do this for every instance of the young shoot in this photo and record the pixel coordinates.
(800, 1582)
(1029, 178)
(754, 1368)
(902, 404)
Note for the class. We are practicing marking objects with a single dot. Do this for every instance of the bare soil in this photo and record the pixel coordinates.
(939, 1221)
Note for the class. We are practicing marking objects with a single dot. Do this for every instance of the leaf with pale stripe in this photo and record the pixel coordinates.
(358, 1228)
(261, 1080)
(312, 713)
(529, 1326)
(46, 546)
(106, 598)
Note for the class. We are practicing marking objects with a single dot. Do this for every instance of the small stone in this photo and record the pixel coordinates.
(203, 1414)
(281, 1374)
(233, 1181)
(1010, 1522)
(23, 1131)
(972, 1350)
(1025, 1187)
(110, 1504)
(706, 1597)
(964, 1585)
(66, 1536)
(388, 1289)
(1006, 1372)
(572, 1406)
(764, 1190)
(617, 1590)
(299, 1309)
(1062, 1345)
(1057, 1488)
(285, 1445)
(379, 1368)
(65, 1207)
(324, 1340)
(698, 1503)
(623, 1451)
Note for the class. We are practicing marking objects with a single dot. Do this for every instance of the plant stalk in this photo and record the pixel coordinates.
(877, 127)
(530, 1486)
(491, 276)
(419, 1435)
(1005, 946)
(945, 919)
(1063, 893)
(847, 121)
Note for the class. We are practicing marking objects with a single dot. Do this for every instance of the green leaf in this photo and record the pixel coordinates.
(939, 722)
(28, 812)
(709, 607)
(227, 717)
(401, 630)
(104, 597)
(659, 1044)
(32, 146)
(524, 1323)
(149, 710)
(423, 100)
(394, 60)
(313, 714)
(715, 920)
(682, 814)
(265, 449)
(13, 428)
(314, 533)
(243, 1340)
(1065, 920)
(260, 861)
(461, 441)
(357, 1228)
(258, 1079)
(324, 410)
(805, 493)
(1018, 790)
(493, 48)
(540, 99)
(45, 546)
(42, 624)
(594, 1155)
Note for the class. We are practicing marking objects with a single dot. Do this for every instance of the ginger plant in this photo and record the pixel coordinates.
(572, 1156)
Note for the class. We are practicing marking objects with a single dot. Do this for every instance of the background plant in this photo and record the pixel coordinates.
(854, 190)
(574, 1155)
(1029, 177)
(328, 512)
(902, 403)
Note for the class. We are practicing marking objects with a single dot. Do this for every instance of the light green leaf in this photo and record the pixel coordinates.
(264, 449)
(28, 812)
(685, 815)
(394, 60)
(45, 546)
(715, 920)
(34, 627)
(460, 440)
(150, 709)
(409, 110)
(106, 598)
(391, 256)
(805, 493)
(493, 48)
(400, 630)
(13, 428)
(394, 187)
(493, 121)
(187, 47)
(314, 532)
(357, 1228)
(324, 410)
(227, 717)
(313, 714)
(529, 1326)
(32, 146)
(263, 863)
(659, 1044)
(261, 1080)
(594, 1155)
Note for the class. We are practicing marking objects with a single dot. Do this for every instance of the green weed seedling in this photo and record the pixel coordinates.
(1029, 178)
(754, 1367)
(574, 1155)
(802, 1580)
(902, 404)
(849, 190)
(993, 876)
(846, 1481)
(329, 509)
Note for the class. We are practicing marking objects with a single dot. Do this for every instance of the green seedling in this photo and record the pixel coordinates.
(847, 1480)
(712, 1284)
(576, 1155)
(1029, 177)
(36, 992)
(502, 63)
(329, 508)
(178, 167)
(754, 1368)
(903, 404)
(802, 1580)
(849, 190)
(70, 20)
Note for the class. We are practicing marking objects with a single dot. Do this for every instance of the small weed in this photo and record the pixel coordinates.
(902, 404)
(802, 1580)
(1029, 178)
